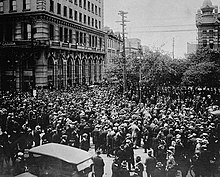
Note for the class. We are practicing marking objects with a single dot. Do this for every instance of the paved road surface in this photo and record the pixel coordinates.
(108, 162)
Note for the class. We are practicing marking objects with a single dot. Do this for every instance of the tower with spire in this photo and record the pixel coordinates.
(208, 25)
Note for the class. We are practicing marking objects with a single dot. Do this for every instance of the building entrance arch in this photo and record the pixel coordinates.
(77, 71)
(83, 71)
(60, 73)
(69, 72)
(89, 70)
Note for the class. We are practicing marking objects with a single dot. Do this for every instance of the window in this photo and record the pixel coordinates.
(92, 22)
(211, 44)
(88, 6)
(26, 31)
(13, 5)
(58, 8)
(65, 11)
(70, 36)
(26, 4)
(81, 38)
(80, 3)
(99, 24)
(96, 10)
(65, 35)
(92, 8)
(51, 6)
(61, 34)
(77, 37)
(75, 2)
(93, 41)
(84, 40)
(80, 17)
(9, 32)
(84, 4)
(1, 6)
(204, 43)
(89, 20)
(100, 42)
(96, 41)
(90, 40)
(70, 13)
(84, 19)
(99, 11)
(51, 32)
(75, 15)
(96, 24)
(211, 33)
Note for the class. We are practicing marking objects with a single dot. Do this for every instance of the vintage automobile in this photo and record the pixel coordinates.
(57, 160)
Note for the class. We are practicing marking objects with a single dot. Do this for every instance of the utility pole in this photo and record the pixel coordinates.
(123, 21)
(173, 46)
(140, 74)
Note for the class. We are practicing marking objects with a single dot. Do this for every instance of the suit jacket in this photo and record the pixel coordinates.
(98, 165)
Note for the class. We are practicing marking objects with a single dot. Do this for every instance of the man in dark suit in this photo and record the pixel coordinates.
(150, 163)
(98, 164)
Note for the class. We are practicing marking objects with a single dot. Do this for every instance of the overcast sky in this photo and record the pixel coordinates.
(156, 22)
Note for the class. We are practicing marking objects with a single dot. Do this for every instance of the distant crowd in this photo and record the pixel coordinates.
(177, 127)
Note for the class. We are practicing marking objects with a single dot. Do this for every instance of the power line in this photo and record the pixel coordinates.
(163, 31)
(165, 26)
(169, 18)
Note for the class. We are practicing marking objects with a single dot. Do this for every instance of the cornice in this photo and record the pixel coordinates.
(44, 15)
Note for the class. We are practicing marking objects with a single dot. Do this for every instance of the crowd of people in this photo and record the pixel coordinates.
(175, 126)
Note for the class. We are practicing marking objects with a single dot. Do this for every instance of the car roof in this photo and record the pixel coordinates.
(63, 152)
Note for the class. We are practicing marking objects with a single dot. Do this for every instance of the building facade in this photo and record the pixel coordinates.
(132, 46)
(191, 49)
(114, 44)
(207, 22)
(51, 43)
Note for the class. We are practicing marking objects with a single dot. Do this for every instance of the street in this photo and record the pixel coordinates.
(108, 161)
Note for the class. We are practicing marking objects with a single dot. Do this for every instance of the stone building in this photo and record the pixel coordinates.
(113, 47)
(207, 22)
(50, 43)
(132, 46)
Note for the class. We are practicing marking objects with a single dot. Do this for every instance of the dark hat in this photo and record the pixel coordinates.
(138, 158)
(98, 151)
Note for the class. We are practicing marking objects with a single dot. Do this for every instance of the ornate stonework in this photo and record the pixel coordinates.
(41, 4)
